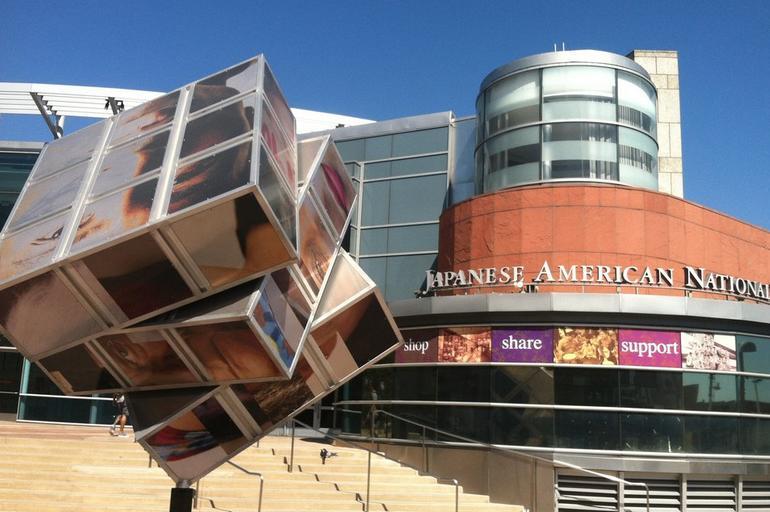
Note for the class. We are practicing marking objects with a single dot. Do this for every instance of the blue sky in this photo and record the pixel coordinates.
(382, 60)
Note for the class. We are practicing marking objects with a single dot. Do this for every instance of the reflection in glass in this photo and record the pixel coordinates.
(218, 126)
(636, 102)
(755, 395)
(146, 359)
(513, 101)
(137, 275)
(144, 118)
(652, 432)
(469, 422)
(463, 383)
(123, 164)
(197, 441)
(283, 152)
(709, 391)
(710, 434)
(576, 386)
(231, 241)
(755, 436)
(42, 314)
(62, 153)
(650, 389)
(113, 215)
(316, 245)
(522, 427)
(31, 248)
(513, 157)
(226, 84)
(753, 354)
(525, 385)
(278, 197)
(580, 150)
(44, 198)
(229, 351)
(587, 430)
(210, 177)
(579, 92)
(76, 369)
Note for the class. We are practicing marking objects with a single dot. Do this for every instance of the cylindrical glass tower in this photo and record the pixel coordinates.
(567, 115)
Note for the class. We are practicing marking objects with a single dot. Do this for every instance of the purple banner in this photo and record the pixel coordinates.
(420, 346)
(661, 349)
(522, 345)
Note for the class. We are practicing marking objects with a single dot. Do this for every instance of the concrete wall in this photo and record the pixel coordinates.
(663, 67)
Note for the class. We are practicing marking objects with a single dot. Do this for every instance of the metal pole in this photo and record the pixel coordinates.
(368, 478)
(261, 486)
(291, 459)
(424, 452)
(197, 492)
(457, 496)
(647, 488)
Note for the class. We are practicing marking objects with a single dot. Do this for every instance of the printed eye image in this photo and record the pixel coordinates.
(465, 345)
(144, 118)
(31, 248)
(316, 245)
(586, 346)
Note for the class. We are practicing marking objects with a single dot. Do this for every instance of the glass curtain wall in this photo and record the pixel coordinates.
(567, 122)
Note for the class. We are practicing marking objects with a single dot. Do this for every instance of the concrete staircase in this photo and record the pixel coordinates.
(83, 469)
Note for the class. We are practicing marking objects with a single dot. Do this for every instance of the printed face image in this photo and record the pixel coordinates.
(144, 118)
(278, 321)
(76, 369)
(31, 248)
(276, 100)
(46, 197)
(123, 164)
(586, 346)
(279, 147)
(224, 85)
(136, 275)
(231, 241)
(229, 351)
(113, 215)
(465, 345)
(64, 318)
(146, 359)
(197, 441)
(706, 351)
(221, 125)
(69, 150)
(276, 194)
(334, 188)
(316, 245)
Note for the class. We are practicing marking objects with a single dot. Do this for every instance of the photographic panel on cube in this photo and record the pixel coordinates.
(232, 241)
(275, 192)
(31, 248)
(283, 151)
(333, 189)
(144, 118)
(219, 126)
(211, 176)
(114, 215)
(67, 151)
(230, 351)
(225, 84)
(149, 409)
(307, 155)
(126, 163)
(194, 443)
(77, 370)
(145, 358)
(47, 197)
(42, 314)
(278, 103)
(346, 281)
(317, 246)
(136, 274)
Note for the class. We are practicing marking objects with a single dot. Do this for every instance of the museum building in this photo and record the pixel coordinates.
(559, 298)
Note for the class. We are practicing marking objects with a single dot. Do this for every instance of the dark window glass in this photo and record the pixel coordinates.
(36, 408)
(709, 391)
(650, 389)
(523, 384)
(600, 169)
(10, 371)
(467, 422)
(38, 382)
(377, 384)
(704, 434)
(415, 383)
(378, 148)
(636, 157)
(523, 427)
(584, 132)
(652, 432)
(418, 415)
(351, 150)
(576, 386)
(753, 354)
(423, 141)
(588, 430)
(755, 436)
(755, 395)
(463, 383)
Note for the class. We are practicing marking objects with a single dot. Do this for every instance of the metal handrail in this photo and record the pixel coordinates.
(493, 447)
(369, 463)
(241, 468)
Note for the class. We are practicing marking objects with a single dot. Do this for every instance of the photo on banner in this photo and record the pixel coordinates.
(465, 345)
(580, 345)
(420, 346)
(522, 345)
(706, 351)
(660, 349)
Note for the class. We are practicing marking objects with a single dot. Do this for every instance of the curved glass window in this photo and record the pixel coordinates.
(579, 92)
(512, 102)
(638, 158)
(580, 150)
(512, 158)
(636, 102)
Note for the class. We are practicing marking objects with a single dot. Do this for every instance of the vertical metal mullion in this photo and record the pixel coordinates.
(540, 119)
(617, 128)
(683, 490)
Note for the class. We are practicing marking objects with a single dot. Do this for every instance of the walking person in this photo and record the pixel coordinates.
(119, 399)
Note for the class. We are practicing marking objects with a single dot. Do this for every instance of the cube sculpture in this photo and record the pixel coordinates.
(170, 253)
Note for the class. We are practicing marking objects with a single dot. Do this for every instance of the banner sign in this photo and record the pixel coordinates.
(660, 349)
(522, 345)
(419, 347)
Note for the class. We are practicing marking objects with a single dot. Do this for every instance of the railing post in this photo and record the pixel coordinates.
(368, 478)
(647, 488)
(291, 457)
(197, 492)
(261, 486)
(457, 496)
(424, 452)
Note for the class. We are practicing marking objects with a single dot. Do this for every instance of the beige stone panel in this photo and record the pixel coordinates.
(660, 81)
(664, 144)
(675, 139)
(667, 66)
(648, 63)
(677, 185)
(664, 182)
(668, 106)
(673, 81)
(672, 165)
